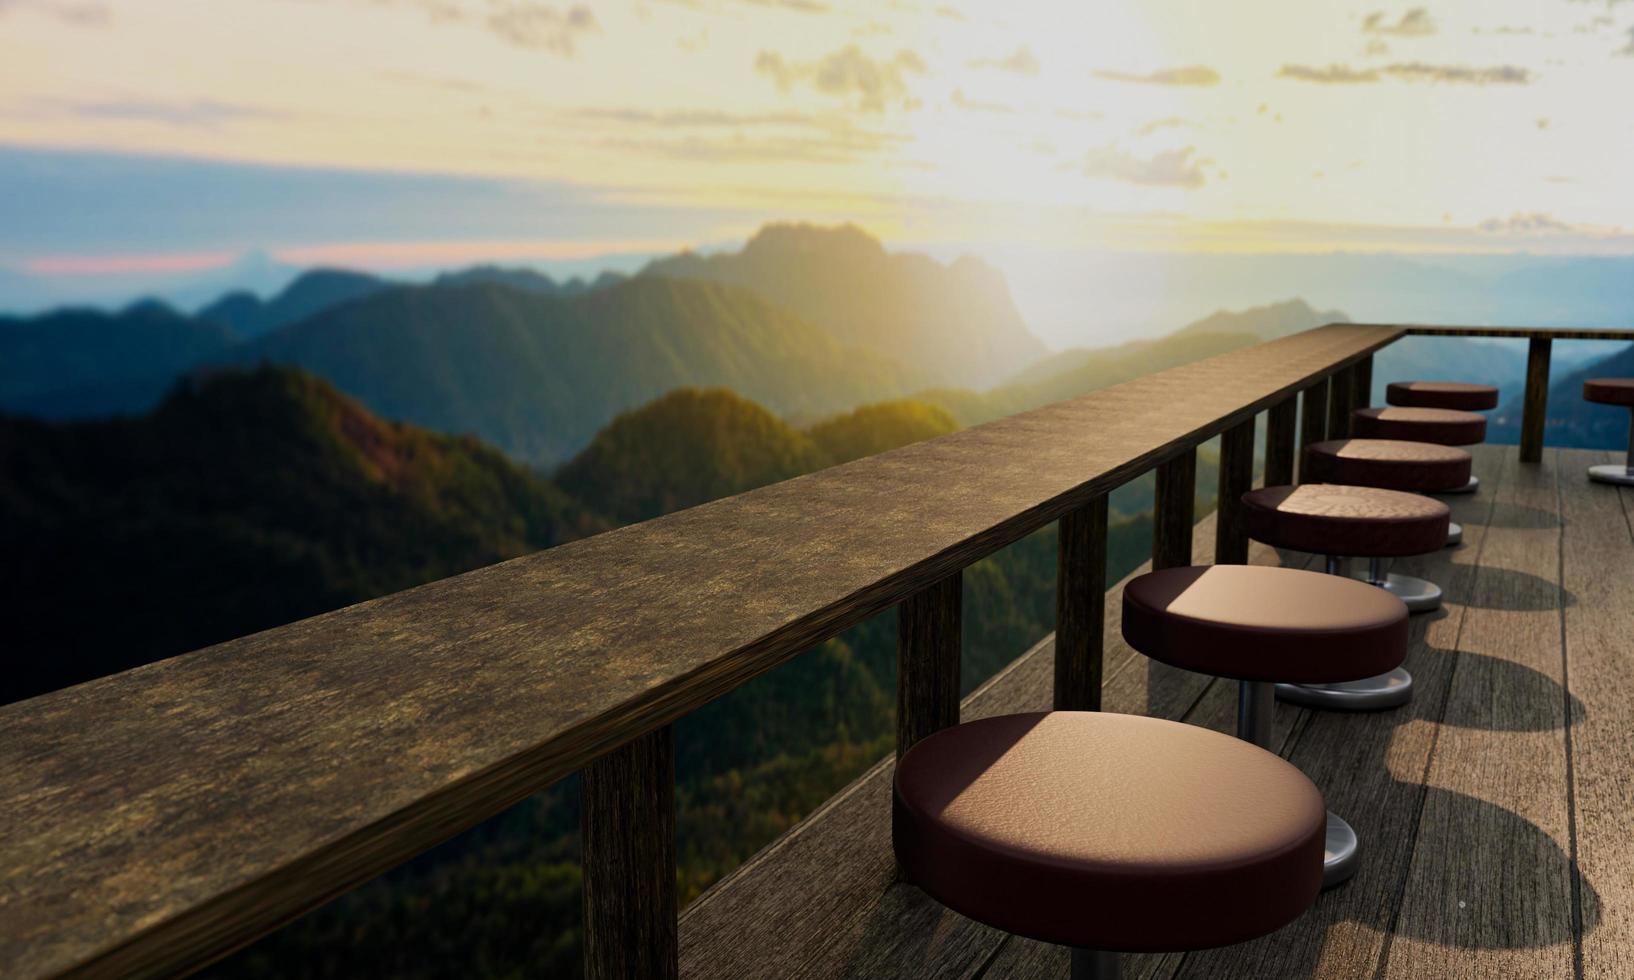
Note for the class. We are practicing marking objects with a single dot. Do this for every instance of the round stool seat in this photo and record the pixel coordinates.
(1441, 394)
(1446, 426)
(1258, 623)
(1391, 464)
(1610, 391)
(1363, 522)
(1109, 832)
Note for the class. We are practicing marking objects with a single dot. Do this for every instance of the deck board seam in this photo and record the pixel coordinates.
(1571, 774)
(1440, 716)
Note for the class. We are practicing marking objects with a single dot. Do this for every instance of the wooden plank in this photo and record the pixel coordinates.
(927, 661)
(1313, 419)
(1361, 391)
(1236, 476)
(162, 817)
(1080, 607)
(627, 830)
(1568, 333)
(1488, 891)
(1535, 407)
(1370, 767)
(1597, 572)
(1174, 510)
(1280, 442)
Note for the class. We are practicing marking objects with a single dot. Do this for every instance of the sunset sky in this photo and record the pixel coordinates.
(176, 134)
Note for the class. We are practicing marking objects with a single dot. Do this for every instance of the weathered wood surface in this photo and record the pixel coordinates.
(157, 819)
(628, 839)
(1174, 510)
(1080, 608)
(1535, 403)
(1597, 546)
(1442, 821)
(1341, 399)
(929, 629)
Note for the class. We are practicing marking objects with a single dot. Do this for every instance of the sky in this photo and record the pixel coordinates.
(173, 135)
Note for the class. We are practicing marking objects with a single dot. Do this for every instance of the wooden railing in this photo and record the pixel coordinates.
(153, 821)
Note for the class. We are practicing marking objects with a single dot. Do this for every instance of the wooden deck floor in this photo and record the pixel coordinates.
(1496, 809)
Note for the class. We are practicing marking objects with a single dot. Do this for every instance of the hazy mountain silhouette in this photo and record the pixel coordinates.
(246, 500)
(539, 375)
(528, 280)
(956, 321)
(247, 315)
(81, 361)
(1573, 422)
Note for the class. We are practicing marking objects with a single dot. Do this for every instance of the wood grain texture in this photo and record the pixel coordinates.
(1570, 333)
(929, 631)
(1174, 510)
(157, 819)
(1597, 568)
(1535, 406)
(1489, 887)
(1313, 419)
(1080, 607)
(627, 829)
(1361, 391)
(1281, 424)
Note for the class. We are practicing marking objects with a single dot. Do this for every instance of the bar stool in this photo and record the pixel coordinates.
(1259, 625)
(1614, 391)
(1392, 464)
(1365, 522)
(1108, 833)
(1443, 426)
(1441, 394)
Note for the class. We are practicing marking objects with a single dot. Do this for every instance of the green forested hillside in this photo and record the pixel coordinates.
(956, 320)
(873, 429)
(247, 500)
(538, 375)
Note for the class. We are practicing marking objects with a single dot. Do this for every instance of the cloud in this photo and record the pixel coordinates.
(1022, 61)
(1525, 223)
(692, 118)
(1190, 75)
(848, 73)
(198, 113)
(1331, 75)
(1628, 49)
(1165, 123)
(1170, 168)
(974, 105)
(802, 6)
(81, 13)
(541, 26)
(1415, 71)
(1414, 23)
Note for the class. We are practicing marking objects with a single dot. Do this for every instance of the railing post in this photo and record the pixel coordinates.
(628, 844)
(1173, 514)
(1536, 406)
(1313, 419)
(1362, 388)
(1280, 425)
(1236, 476)
(1080, 607)
(1340, 390)
(927, 660)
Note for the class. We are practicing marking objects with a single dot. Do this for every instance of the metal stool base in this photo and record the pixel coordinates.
(1419, 595)
(1455, 534)
(1473, 485)
(1612, 473)
(1339, 857)
(1390, 690)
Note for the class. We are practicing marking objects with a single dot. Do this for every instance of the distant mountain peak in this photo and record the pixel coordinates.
(803, 239)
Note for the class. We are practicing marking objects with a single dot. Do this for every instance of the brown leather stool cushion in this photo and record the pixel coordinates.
(1441, 394)
(1256, 623)
(1106, 831)
(1361, 522)
(1610, 391)
(1388, 463)
(1446, 426)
